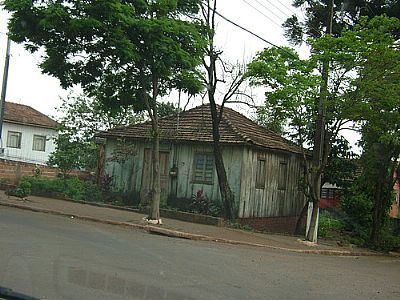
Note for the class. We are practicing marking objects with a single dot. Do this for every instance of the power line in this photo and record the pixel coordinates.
(288, 8)
(268, 9)
(255, 8)
(272, 3)
(248, 31)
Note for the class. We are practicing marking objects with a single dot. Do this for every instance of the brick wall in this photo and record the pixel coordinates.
(272, 224)
(11, 171)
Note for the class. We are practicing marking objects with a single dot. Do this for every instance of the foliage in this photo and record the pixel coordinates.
(346, 14)
(358, 205)
(328, 226)
(377, 112)
(81, 117)
(166, 109)
(200, 204)
(292, 88)
(267, 119)
(22, 190)
(70, 186)
(342, 165)
(72, 153)
(123, 53)
(239, 226)
(362, 87)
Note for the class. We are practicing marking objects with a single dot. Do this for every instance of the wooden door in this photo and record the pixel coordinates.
(147, 176)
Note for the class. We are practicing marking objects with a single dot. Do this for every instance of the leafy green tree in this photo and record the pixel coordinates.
(346, 14)
(377, 90)
(120, 52)
(293, 90)
(72, 154)
(81, 117)
(329, 18)
(166, 109)
(298, 99)
(342, 165)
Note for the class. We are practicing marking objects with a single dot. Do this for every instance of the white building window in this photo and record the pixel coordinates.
(14, 139)
(39, 143)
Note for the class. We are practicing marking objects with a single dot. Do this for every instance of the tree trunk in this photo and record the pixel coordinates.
(381, 199)
(151, 107)
(315, 192)
(227, 196)
(226, 192)
(100, 164)
(319, 140)
(156, 190)
(313, 224)
(303, 213)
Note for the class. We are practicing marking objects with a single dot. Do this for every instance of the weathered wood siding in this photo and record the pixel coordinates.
(127, 175)
(270, 201)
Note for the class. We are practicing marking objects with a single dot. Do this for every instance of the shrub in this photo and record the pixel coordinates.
(200, 204)
(390, 241)
(22, 190)
(235, 225)
(71, 187)
(329, 226)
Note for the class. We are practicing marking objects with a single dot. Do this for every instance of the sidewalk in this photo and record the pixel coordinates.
(174, 228)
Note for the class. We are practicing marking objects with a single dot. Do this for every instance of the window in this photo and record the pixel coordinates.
(260, 175)
(14, 139)
(203, 168)
(282, 179)
(39, 143)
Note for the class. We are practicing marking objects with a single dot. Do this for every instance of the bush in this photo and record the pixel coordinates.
(22, 190)
(235, 225)
(71, 187)
(200, 204)
(329, 226)
(390, 241)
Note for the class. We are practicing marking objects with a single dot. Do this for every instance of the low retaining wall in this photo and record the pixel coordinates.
(188, 217)
(271, 224)
(11, 171)
(164, 213)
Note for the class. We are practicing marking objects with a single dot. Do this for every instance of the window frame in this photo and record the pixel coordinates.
(33, 142)
(282, 178)
(261, 176)
(19, 139)
(203, 180)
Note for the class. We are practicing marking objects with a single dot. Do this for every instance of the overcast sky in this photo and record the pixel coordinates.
(27, 85)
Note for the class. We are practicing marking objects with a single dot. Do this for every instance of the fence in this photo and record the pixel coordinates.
(11, 171)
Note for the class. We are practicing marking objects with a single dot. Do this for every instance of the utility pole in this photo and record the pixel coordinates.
(319, 142)
(4, 91)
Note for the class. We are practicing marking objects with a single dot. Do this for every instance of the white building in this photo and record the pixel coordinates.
(27, 134)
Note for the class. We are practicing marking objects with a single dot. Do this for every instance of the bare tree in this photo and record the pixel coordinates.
(231, 77)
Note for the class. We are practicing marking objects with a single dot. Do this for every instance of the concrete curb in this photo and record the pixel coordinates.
(191, 236)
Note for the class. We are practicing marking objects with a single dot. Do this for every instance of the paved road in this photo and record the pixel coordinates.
(55, 257)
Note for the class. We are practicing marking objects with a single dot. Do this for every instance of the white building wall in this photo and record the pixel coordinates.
(25, 153)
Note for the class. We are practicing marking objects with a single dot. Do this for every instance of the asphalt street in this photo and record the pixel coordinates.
(52, 257)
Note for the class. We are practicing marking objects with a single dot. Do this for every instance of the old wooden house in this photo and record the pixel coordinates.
(264, 169)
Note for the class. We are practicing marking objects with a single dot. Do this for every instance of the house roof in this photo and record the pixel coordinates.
(195, 126)
(26, 115)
